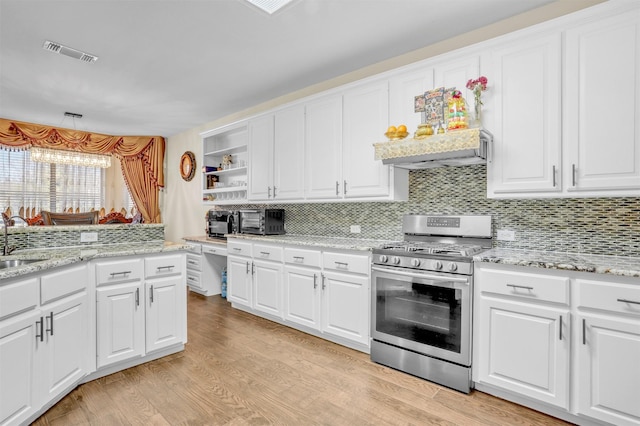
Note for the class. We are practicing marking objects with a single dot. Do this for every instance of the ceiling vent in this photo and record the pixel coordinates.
(67, 51)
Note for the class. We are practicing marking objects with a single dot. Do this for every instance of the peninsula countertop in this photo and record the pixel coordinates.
(599, 264)
(60, 256)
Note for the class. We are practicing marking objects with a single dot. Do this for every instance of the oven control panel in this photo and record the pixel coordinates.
(425, 264)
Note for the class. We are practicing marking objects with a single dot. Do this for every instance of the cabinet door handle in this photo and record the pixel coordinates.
(553, 173)
(41, 325)
(573, 174)
(584, 331)
(274, 191)
(268, 192)
(151, 294)
(628, 301)
(49, 319)
(344, 187)
(323, 284)
(560, 328)
(114, 274)
(137, 297)
(337, 188)
(161, 268)
(253, 268)
(524, 287)
(247, 271)
(315, 282)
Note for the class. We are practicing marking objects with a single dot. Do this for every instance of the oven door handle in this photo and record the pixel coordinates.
(420, 275)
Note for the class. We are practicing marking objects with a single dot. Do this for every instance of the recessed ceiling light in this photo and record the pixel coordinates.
(270, 6)
(54, 47)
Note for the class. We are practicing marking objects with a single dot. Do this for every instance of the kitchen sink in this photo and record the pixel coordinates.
(17, 262)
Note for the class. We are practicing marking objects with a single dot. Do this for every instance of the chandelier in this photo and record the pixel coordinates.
(44, 155)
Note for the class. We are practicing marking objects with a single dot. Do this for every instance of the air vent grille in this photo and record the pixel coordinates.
(68, 51)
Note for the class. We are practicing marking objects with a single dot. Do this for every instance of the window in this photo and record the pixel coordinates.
(28, 187)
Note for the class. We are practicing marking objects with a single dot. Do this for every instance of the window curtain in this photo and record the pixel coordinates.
(141, 157)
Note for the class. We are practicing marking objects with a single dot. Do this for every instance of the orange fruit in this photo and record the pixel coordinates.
(402, 128)
(392, 129)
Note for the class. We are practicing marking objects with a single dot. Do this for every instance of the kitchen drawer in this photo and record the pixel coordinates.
(214, 249)
(239, 248)
(358, 264)
(194, 279)
(194, 262)
(58, 284)
(524, 285)
(18, 296)
(609, 296)
(118, 271)
(162, 266)
(303, 257)
(267, 252)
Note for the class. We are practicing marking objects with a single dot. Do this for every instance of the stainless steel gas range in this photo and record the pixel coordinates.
(422, 291)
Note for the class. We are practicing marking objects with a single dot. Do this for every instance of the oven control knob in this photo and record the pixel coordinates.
(395, 260)
(437, 265)
(383, 258)
(415, 262)
(453, 266)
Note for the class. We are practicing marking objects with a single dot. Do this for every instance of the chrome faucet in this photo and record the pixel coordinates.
(7, 223)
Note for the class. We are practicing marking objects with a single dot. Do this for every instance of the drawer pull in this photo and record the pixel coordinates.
(237, 249)
(162, 268)
(193, 262)
(560, 328)
(628, 301)
(584, 331)
(41, 324)
(114, 274)
(265, 253)
(343, 264)
(298, 258)
(524, 287)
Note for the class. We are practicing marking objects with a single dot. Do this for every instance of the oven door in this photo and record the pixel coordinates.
(429, 313)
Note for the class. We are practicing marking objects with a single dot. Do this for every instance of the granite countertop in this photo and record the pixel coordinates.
(362, 244)
(60, 256)
(599, 264)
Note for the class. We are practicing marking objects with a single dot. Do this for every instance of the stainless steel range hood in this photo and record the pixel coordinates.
(458, 148)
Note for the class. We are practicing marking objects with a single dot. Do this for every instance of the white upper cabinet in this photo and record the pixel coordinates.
(261, 153)
(403, 88)
(323, 147)
(602, 105)
(288, 161)
(526, 120)
(455, 71)
(365, 119)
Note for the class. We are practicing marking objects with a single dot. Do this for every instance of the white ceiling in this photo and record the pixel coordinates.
(166, 66)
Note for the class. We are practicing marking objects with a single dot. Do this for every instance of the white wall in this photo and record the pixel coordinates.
(182, 209)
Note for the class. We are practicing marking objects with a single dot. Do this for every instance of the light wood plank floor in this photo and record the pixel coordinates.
(239, 369)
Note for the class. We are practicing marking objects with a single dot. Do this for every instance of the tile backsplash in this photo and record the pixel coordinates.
(586, 225)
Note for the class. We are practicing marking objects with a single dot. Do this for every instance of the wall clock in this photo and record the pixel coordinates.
(188, 166)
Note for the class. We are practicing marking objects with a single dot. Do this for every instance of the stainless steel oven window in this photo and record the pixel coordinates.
(427, 313)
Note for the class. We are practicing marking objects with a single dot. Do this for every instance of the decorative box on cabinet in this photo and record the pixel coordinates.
(231, 184)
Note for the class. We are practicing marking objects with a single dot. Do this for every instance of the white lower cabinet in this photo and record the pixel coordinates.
(325, 293)
(567, 343)
(608, 352)
(137, 316)
(19, 368)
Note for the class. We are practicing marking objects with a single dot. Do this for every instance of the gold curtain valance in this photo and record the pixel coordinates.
(141, 157)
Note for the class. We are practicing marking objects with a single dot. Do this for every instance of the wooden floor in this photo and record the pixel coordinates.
(239, 369)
